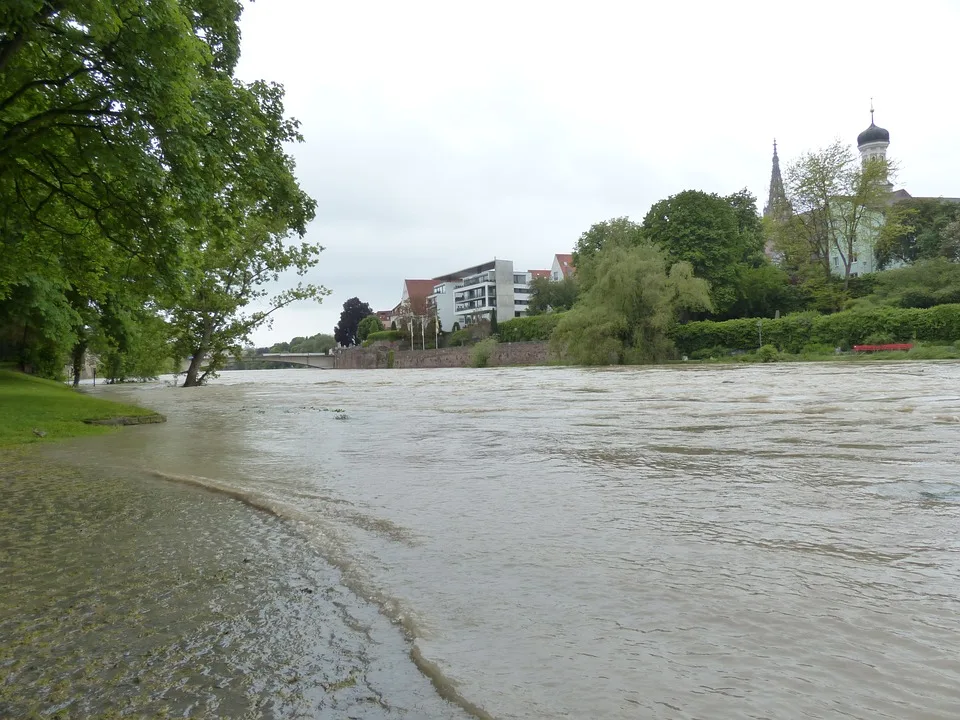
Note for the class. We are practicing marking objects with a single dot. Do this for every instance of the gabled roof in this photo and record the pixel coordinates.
(565, 261)
(417, 291)
(539, 273)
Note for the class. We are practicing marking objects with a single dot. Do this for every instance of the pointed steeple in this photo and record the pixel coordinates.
(777, 200)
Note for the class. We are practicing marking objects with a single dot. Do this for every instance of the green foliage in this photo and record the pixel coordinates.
(715, 234)
(918, 229)
(461, 337)
(370, 324)
(319, 343)
(768, 353)
(391, 358)
(552, 295)
(621, 231)
(354, 311)
(626, 312)
(138, 176)
(795, 333)
(383, 336)
(456, 327)
(528, 329)
(924, 284)
(764, 289)
(481, 353)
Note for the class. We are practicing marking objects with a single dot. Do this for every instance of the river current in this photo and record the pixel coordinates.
(683, 542)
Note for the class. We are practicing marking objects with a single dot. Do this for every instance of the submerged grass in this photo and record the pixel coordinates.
(36, 410)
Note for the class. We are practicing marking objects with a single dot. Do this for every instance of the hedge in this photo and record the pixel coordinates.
(527, 329)
(389, 335)
(792, 333)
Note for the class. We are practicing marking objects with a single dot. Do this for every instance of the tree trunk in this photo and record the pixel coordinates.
(193, 378)
(79, 350)
(193, 372)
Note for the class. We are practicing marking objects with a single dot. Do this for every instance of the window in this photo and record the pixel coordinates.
(555, 275)
(836, 261)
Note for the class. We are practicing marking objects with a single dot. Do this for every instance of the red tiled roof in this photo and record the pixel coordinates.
(417, 291)
(566, 264)
(539, 273)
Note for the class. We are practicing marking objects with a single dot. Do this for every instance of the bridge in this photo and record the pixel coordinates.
(314, 360)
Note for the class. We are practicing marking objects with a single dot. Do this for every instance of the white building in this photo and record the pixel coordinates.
(471, 294)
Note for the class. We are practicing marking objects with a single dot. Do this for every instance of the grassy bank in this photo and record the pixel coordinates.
(53, 409)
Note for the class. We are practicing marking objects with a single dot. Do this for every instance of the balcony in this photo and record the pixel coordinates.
(475, 280)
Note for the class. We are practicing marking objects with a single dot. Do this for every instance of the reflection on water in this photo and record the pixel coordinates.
(712, 542)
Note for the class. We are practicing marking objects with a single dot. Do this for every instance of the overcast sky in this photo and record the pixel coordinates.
(440, 135)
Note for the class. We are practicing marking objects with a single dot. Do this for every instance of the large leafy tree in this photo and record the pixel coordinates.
(624, 316)
(240, 247)
(716, 235)
(353, 312)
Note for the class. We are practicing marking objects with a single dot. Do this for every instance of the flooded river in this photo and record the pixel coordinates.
(705, 542)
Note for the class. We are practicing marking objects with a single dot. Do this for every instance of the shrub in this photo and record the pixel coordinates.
(528, 329)
(481, 352)
(385, 335)
(369, 325)
(768, 353)
(459, 337)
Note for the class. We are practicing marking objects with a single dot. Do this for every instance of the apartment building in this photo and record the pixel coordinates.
(471, 294)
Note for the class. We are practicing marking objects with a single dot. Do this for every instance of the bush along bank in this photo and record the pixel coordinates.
(801, 331)
(535, 328)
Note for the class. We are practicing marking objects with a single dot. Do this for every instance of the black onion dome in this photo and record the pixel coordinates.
(873, 134)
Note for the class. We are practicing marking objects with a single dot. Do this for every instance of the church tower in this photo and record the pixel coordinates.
(874, 141)
(777, 206)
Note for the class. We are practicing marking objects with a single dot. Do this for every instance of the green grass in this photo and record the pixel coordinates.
(28, 403)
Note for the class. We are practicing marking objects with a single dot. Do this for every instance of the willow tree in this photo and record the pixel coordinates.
(626, 312)
(839, 206)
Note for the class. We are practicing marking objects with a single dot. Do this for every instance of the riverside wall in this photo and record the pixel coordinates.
(378, 357)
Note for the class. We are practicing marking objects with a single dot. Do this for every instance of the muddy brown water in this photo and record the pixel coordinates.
(708, 542)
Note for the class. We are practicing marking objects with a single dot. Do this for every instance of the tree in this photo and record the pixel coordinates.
(353, 312)
(552, 295)
(241, 245)
(616, 231)
(914, 230)
(625, 315)
(838, 203)
(371, 323)
(136, 172)
(715, 234)
(493, 322)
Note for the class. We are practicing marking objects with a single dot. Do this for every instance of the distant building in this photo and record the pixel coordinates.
(472, 294)
(562, 267)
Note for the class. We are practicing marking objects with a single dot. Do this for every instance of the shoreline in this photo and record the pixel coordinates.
(139, 588)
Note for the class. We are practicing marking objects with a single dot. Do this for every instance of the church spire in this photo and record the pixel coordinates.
(777, 200)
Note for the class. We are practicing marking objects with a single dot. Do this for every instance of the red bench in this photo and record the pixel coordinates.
(877, 348)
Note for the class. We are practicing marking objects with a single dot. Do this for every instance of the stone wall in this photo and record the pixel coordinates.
(524, 353)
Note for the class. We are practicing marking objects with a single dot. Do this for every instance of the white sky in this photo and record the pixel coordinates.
(442, 134)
